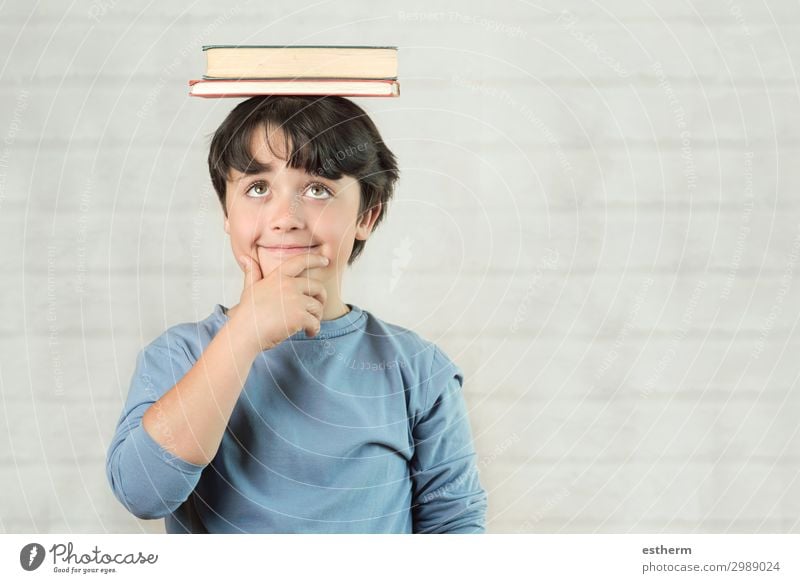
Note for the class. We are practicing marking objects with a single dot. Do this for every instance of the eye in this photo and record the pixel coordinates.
(319, 188)
(260, 188)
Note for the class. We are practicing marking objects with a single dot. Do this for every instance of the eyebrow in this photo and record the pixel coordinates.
(257, 167)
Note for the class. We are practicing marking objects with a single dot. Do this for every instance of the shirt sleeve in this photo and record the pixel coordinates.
(448, 496)
(146, 478)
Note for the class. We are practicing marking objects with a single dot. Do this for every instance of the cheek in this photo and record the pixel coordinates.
(243, 230)
(337, 232)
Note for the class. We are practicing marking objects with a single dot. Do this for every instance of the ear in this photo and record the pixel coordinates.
(364, 227)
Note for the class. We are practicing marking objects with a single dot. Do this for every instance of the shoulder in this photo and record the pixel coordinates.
(185, 341)
(432, 365)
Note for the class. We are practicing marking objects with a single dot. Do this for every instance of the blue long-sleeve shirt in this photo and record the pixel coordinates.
(360, 429)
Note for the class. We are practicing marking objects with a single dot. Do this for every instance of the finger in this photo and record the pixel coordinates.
(315, 307)
(311, 287)
(297, 264)
(245, 264)
(252, 271)
(258, 273)
(311, 325)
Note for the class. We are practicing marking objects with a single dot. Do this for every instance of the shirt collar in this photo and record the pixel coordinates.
(352, 320)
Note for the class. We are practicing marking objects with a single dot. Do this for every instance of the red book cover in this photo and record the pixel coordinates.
(324, 87)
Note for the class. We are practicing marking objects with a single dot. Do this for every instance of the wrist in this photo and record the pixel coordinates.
(242, 336)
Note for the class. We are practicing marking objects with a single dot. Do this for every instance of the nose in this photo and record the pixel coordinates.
(285, 212)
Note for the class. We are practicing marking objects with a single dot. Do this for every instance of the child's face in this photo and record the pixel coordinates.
(287, 206)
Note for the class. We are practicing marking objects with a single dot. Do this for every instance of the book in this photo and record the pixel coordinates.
(300, 61)
(250, 87)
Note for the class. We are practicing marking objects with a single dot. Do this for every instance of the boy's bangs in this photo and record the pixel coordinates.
(315, 146)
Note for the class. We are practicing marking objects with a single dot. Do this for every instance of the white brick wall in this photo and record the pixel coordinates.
(596, 204)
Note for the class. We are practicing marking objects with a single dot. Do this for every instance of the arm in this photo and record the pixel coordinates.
(448, 497)
(190, 419)
(164, 439)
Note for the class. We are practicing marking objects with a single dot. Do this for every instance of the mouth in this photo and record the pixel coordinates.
(290, 250)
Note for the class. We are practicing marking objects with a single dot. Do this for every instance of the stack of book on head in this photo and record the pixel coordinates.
(243, 71)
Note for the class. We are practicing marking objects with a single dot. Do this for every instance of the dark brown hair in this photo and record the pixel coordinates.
(326, 136)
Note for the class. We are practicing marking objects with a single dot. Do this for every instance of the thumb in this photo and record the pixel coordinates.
(252, 271)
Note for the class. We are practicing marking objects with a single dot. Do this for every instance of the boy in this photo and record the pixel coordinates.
(294, 411)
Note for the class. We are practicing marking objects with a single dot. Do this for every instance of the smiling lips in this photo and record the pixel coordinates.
(290, 249)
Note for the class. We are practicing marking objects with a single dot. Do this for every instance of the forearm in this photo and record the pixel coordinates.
(458, 507)
(190, 419)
